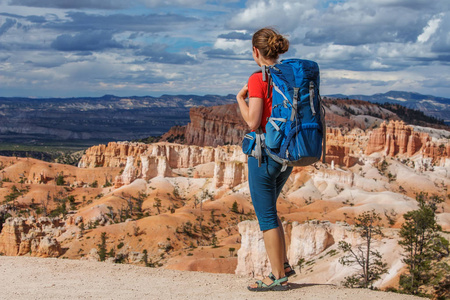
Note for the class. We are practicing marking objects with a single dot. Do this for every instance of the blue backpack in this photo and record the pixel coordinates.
(295, 131)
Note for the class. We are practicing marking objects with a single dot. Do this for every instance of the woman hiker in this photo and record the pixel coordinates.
(266, 181)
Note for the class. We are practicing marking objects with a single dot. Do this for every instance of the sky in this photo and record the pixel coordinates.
(89, 48)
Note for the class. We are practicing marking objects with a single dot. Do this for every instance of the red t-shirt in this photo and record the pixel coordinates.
(258, 88)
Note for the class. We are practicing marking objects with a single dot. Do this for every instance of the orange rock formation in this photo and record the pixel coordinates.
(150, 160)
(342, 150)
(397, 138)
(216, 125)
(210, 126)
(21, 236)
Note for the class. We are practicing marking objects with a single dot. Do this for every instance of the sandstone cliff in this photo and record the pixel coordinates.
(398, 139)
(210, 126)
(344, 150)
(176, 134)
(21, 236)
(161, 159)
(217, 125)
(344, 113)
(221, 125)
(158, 158)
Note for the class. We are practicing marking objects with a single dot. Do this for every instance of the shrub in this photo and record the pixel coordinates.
(60, 180)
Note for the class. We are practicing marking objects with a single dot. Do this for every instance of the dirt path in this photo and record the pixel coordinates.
(49, 278)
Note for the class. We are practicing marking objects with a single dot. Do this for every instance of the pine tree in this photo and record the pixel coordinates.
(214, 240)
(102, 247)
(235, 208)
(370, 261)
(422, 244)
(145, 258)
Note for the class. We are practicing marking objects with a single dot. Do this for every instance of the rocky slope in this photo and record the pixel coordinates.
(191, 198)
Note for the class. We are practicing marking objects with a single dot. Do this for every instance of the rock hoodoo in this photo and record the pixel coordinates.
(397, 138)
(21, 236)
(160, 159)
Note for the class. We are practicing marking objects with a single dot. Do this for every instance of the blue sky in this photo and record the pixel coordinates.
(71, 48)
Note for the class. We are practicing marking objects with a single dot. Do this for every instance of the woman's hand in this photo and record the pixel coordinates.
(243, 93)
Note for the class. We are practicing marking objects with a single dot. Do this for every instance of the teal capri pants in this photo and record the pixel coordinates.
(266, 183)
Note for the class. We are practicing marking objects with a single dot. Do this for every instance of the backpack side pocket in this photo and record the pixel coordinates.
(248, 143)
(275, 132)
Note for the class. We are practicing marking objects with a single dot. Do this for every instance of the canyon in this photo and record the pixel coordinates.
(188, 207)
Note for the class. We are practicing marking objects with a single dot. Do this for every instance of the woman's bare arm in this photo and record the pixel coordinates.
(251, 112)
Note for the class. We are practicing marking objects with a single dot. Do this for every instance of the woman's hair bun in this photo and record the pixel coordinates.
(270, 43)
(278, 44)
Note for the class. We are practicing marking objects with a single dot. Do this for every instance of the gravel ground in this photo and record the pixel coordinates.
(50, 278)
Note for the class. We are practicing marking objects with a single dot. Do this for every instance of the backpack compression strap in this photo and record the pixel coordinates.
(257, 152)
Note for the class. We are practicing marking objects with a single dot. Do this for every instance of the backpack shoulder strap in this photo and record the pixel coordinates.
(267, 76)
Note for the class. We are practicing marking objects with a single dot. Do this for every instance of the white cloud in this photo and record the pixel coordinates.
(376, 65)
(431, 28)
(238, 46)
(284, 15)
(362, 75)
(440, 40)
(341, 52)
